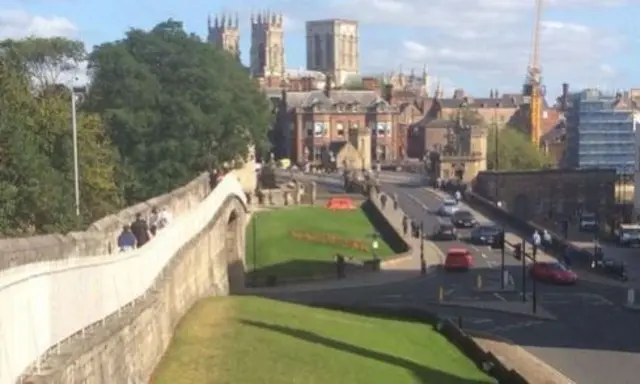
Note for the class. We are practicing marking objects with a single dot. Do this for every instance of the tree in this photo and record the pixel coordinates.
(514, 150)
(46, 60)
(40, 177)
(174, 106)
(30, 187)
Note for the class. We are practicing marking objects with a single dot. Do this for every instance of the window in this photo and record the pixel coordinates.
(309, 127)
(383, 128)
(317, 153)
(340, 129)
(319, 129)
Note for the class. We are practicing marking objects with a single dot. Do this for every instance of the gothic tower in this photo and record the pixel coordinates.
(224, 33)
(267, 45)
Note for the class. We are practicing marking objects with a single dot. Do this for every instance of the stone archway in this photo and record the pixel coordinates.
(234, 260)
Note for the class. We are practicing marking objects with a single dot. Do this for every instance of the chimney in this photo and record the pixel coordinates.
(565, 95)
(458, 94)
(491, 94)
(388, 93)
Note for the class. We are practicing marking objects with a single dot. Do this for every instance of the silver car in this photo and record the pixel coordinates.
(448, 208)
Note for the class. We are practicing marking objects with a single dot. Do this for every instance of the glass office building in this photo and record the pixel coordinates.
(600, 132)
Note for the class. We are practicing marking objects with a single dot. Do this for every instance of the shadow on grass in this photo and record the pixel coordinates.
(422, 373)
(384, 228)
(298, 270)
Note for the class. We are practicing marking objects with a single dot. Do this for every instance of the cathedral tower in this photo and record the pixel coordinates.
(224, 33)
(267, 45)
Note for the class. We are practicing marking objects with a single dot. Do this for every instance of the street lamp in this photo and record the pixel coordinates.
(75, 92)
(423, 264)
(497, 180)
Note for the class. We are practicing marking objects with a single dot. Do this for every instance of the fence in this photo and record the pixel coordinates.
(42, 304)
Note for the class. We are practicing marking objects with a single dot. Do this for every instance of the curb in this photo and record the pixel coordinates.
(454, 304)
(496, 290)
(561, 377)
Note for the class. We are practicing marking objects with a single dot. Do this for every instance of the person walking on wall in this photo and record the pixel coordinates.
(153, 221)
(140, 230)
(126, 239)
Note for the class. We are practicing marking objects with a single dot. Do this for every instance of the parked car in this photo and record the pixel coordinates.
(485, 234)
(448, 208)
(628, 235)
(552, 272)
(463, 219)
(588, 222)
(445, 232)
(458, 259)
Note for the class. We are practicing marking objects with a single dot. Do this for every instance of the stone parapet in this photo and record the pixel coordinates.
(101, 237)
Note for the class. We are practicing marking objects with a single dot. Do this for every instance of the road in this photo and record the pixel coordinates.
(593, 339)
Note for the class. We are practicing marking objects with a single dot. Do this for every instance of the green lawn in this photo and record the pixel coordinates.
(278, 253)
(250, 340)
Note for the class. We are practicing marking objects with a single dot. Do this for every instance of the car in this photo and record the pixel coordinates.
(458, 259)
(588, 222)
(445, 231)
(485, 234)
(463, 219)
(552, 272)
(628, 235)
(448, 208)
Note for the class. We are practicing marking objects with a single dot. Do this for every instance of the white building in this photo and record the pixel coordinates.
(332, 48)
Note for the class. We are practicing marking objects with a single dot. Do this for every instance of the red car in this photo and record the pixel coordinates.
(552, 272)
(458, 259)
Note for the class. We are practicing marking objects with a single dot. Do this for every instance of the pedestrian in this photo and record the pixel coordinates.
(140, 230)
(536, 241)
(548, 240)
(458, 196)
(126, 239)
(164, 218)
(153, 221)
(405, 224)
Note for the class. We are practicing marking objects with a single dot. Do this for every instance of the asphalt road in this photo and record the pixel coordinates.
(594, 339)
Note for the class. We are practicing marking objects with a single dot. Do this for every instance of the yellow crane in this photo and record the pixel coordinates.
(533, 91)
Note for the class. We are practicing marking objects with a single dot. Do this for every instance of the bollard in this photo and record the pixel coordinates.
(479, 282)
(441, 294)
(460, 322)
(631, 297)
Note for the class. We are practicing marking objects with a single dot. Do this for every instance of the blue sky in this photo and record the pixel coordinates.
(473, 44)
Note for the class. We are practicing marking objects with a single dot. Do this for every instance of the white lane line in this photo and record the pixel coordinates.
(484, 256)
(417, 201)
(499, 297)
(481, 321)
(449, 292)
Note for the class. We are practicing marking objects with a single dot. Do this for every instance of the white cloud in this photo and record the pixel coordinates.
(487, 39)
(18, 24)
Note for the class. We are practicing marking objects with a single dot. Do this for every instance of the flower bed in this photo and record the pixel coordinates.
(331, 239)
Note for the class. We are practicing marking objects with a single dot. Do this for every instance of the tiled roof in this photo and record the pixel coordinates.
(307, 99)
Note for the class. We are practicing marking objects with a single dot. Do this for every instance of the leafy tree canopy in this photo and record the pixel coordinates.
(46, 60)
(36, 147)
(514, 151)
(174, 106)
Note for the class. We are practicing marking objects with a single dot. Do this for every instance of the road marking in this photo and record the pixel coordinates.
(484, 256)
(499, 297)
(481, 321)
(417, 201)
(449, 292)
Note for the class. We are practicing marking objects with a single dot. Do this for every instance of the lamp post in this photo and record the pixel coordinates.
(423, 264)
(497, 188)
(75, 92)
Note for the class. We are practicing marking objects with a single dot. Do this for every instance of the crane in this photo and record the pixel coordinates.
(533, 91)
